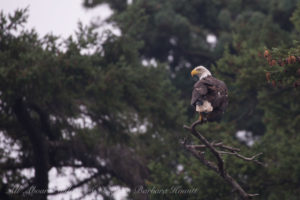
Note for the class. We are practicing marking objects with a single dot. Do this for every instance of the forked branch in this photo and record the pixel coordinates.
(218, 149)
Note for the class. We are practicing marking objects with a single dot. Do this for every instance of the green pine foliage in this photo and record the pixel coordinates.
(110, 86)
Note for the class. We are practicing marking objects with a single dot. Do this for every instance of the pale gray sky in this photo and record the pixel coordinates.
(57, 16)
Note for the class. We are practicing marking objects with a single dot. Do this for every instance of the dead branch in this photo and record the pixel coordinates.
(202, 146)
(218, 167)
(244, 157)
(207, 144)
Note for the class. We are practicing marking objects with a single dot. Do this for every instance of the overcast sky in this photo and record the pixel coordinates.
(57, 16)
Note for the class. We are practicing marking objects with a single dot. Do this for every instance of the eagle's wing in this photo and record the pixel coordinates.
(218, 92)
(200, 89)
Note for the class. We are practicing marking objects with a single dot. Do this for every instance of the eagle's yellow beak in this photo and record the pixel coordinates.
(194, 72)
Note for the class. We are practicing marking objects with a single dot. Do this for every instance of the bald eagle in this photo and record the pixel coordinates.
(209, 96)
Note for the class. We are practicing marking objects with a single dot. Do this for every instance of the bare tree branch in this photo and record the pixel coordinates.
(219, 166)
(210, 146)
(244, 157)
(220, 145)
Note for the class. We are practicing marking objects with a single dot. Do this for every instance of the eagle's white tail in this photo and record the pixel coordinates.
(205, 107)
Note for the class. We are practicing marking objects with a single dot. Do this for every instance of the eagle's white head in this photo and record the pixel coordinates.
(201, 72)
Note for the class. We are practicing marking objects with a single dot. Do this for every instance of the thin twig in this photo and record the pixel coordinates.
(244, 157)
(220, 145)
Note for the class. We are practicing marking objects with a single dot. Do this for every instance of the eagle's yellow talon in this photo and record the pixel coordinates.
(200, 117)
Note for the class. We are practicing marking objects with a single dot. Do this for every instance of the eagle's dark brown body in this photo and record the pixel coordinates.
(213, 91)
